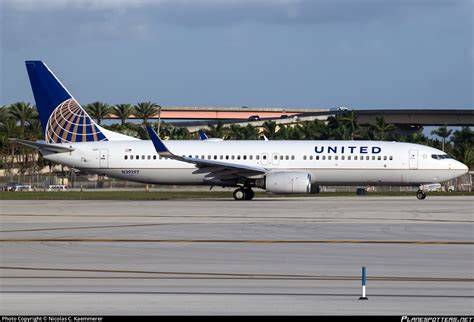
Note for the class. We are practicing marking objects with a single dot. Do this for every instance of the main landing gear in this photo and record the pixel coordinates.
(244, 193)
(420, 194)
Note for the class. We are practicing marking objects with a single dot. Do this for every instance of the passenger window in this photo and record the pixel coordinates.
(373, 157)
(143, 157)
(349, 157)
(304, 157)
(215, 157)
(232, 157)
(336, 157)
(324, 157)
(264, 157)
(317, 157)
(311, 157)
(385, 157)
(391, 158)
(329, 157)
(227, 157)
(238, 157)
(221, 157)
(355, 157)
(154, 157)
(244, 157)
(367, 158)
(379, 158)
(209, 157)
(126, 157)
(250, 157)
(148, 157)
(343, 157)
(292, 157)
(137, 157)
(275, 157)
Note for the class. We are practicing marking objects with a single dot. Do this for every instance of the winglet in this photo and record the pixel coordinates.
(159, 145)
(202, 135)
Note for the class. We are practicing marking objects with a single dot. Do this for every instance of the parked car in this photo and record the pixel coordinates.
(254, 118)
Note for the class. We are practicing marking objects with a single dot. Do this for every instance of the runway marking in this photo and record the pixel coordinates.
(217, 275)
(352, 295)
(82, 227)
(236, 241)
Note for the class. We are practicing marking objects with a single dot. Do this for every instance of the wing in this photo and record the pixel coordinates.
(213, 168)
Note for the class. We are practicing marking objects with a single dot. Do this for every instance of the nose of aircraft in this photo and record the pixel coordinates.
(460, 167)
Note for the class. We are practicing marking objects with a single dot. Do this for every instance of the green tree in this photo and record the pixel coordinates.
(382, 130)
(250, 132)
(443, 133)
(349, 120)
(269, 129)
(216, 131)
(22, 112)
(123, 112)
(236, 132)
(463, 145)
(98, 111)
(145, 110)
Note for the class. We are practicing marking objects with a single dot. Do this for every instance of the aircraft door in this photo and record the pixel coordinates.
(104, 158)
(413, 159)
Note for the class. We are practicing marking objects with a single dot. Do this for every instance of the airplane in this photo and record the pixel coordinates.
(72, 138)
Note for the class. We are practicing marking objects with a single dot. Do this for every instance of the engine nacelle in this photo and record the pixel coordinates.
(286, 182)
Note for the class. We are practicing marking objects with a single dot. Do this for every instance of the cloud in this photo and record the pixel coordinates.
(109, 20)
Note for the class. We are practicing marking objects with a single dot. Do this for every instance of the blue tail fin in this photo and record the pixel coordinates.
(62, 117)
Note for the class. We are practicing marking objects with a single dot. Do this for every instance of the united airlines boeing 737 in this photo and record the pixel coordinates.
(73, 138)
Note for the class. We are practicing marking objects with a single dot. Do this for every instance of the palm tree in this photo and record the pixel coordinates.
(381, 129)
(145, 110)
(250, 132)
(35, 130)
(236, 132)
(269, 129)
(98, 111)
(350, 121)
(22, 112)
(463, 144)
(216, 131)
(123, 112)
(443, 133)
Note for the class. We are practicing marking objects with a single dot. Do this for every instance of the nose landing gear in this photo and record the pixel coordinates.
(244, 193)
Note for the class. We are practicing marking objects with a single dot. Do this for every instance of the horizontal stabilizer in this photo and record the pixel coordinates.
(43, 146)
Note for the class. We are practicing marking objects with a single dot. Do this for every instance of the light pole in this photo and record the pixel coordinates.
(159, 120)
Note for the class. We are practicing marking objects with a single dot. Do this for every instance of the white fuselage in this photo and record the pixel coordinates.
(328, 162)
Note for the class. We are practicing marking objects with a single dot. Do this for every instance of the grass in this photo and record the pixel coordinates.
(167, 195)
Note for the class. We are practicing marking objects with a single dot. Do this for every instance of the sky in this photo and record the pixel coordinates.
(364, 54)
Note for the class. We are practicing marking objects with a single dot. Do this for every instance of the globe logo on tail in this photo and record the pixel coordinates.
(70, 123)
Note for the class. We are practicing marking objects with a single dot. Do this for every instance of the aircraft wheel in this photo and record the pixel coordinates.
(420, 194)
(239, 194)
(249, 194)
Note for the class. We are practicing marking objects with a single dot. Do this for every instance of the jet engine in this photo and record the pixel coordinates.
(285, 182)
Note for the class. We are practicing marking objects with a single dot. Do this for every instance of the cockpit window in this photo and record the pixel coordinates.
(440, 156)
